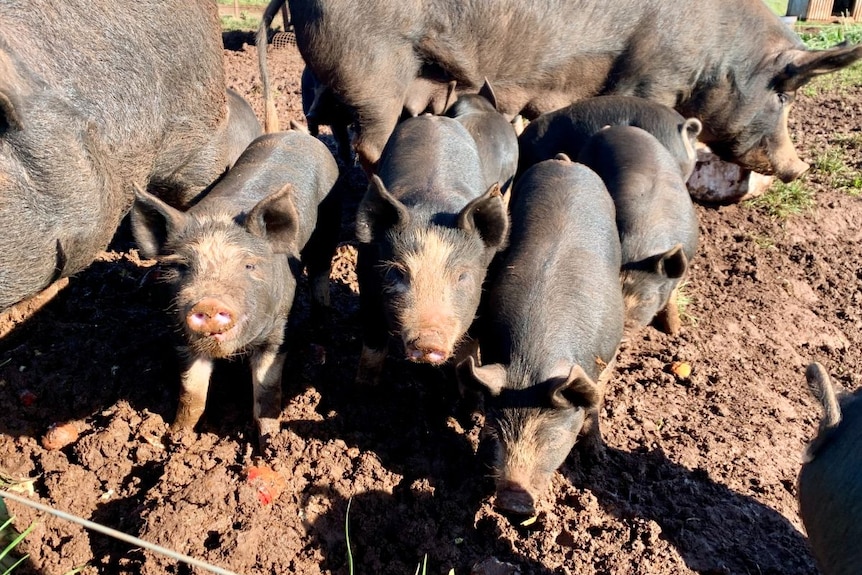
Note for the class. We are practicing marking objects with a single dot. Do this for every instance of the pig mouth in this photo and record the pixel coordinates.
(434, 357)
(216, 344)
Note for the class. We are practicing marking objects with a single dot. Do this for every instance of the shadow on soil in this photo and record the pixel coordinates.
(707, 522)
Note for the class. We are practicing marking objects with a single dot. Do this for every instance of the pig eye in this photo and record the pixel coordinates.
(250, 267)
(783, 98)
(464, 276)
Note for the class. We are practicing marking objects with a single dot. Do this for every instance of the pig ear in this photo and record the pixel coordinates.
(487, 214)
(487, 92)
(690, 129)
(276, 220)
(9, 118)
(805, 64)
(379, 210)
(153, 221)
(574, 390)
(488, 378)
(673, 263)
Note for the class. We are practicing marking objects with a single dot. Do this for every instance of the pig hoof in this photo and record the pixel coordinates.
(268, 430)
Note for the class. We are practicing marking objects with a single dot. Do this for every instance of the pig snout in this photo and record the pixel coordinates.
(513, 497)
(428, 347)
(789, 171)
(210, 317)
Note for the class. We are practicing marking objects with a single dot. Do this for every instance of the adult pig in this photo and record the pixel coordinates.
(830, 492)
(655, 217)
(243, 125)
(549, 329)
(567, 130)
(84, 114)
(234, 258)
(734, 65)
(428, 228)
(495, 137)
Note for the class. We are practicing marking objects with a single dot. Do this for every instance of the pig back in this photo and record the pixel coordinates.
(654, 211)
(556, 288)
(830, 494)
(567, 129)
(432, 160)
(268, 164)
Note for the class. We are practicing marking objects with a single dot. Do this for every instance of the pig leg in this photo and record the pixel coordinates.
(266, 369)
(591, 444)
(472, 408)
(318, 252)
(193, 393)
(377, 122)
(378, 101)
(375, 337)
(667, 319)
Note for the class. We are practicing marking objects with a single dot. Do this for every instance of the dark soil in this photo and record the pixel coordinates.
(700, 476)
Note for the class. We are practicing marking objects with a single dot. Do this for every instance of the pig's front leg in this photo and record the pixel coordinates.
(266, 369)
(193, 393)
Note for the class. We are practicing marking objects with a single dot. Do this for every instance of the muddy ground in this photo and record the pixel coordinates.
(701, 473)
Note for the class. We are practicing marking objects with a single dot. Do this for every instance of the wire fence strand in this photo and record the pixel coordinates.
(116, 534)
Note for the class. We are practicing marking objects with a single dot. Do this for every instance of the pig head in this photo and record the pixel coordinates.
(432, 266)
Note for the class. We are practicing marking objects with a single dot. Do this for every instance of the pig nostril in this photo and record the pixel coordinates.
(223, 317)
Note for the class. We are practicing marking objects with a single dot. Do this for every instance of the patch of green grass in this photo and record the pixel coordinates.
(245, 22)
(777, 6)
(827, 35)
(683, 304)
(782, 200)
(763, 242)
(831, 162)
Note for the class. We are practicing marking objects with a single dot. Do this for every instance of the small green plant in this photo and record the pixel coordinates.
(347, 537)
(833, 165)
(782, 200)
(831, 162)
(683, 304)
(763, 242)
(9, 540)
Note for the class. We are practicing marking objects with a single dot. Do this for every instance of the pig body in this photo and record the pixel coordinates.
(494, 136)
(830, 492)
(739, 78)
(549, 328)
(428, 228)
(243, 126)
(567, 130)
(83, 119)
(655, 217)
(234, 258)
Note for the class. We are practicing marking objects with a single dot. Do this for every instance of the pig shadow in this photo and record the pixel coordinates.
(707, 522)
(386, 530)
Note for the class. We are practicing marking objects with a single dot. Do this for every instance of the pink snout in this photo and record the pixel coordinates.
(210, 316)
(428, 347)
